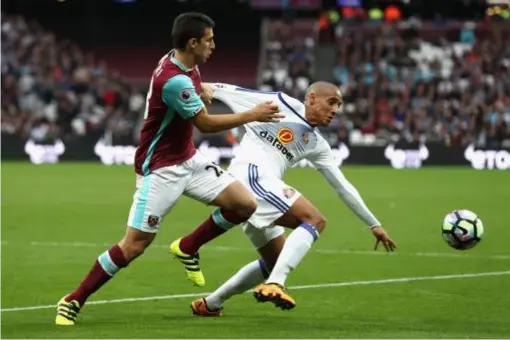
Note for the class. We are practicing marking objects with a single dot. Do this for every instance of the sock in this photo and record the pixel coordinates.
(296, 246)
(247, 277)
(105, 267)
(219, 222)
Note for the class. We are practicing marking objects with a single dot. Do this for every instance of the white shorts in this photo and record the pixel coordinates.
(158, 192)
(274, 199)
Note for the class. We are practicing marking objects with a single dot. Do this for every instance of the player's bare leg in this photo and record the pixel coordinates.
(308, 223)
(106, 266)
(253, 273)
(235, 205)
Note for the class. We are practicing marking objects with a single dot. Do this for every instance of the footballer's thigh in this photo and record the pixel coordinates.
(302, 211)
(212, 185)
(155, 196)
(274, 197)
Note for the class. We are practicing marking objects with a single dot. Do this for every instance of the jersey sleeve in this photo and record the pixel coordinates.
(220, 90)
(236, 98)
(324, 160)
(180, 94)
(323, 156)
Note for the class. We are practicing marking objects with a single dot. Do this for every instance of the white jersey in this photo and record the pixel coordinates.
(274, 147)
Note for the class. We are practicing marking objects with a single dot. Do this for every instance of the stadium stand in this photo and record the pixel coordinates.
(50, 87)
(447, 82)
(443, 82)
(288, 56)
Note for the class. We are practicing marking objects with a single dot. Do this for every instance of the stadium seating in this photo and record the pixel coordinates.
(51, 87)
(437, 82)
(288, 56)
(447, 82)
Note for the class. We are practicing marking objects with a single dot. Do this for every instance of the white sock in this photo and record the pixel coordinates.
(247, 277)
(296, 246)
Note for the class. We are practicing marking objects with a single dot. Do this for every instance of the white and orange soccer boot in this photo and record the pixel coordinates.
(275, 293)
(199, 308)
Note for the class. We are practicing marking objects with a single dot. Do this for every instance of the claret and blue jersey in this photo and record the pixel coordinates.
(167, 133)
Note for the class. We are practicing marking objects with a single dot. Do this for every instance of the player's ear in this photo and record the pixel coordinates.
(193, 42)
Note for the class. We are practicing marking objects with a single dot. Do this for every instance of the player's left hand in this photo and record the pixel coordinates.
(207, 93)
(381, 236)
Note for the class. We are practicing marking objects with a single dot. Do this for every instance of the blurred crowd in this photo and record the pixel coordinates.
(50, 88)
(397, 83)
(451, 88)
(288, 57)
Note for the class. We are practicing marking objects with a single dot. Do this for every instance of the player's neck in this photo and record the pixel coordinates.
(310, 117)
(185, 59)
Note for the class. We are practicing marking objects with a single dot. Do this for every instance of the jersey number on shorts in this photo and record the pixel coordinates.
(217, 170)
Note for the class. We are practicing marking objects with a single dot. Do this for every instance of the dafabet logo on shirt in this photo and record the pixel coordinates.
(278, 143)
(285, 136)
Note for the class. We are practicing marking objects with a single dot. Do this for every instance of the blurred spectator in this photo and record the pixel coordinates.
(444, 82)
(289, 58)
(439, 81)
(52, 89)
(401, 80)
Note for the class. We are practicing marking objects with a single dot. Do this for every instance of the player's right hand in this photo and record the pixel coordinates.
(381, 236)
(207, 93)
(267, 112)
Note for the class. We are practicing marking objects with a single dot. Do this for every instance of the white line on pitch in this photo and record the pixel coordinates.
(315, 286)
(320, 251)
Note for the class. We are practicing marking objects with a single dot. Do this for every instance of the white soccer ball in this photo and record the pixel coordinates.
(462, 229)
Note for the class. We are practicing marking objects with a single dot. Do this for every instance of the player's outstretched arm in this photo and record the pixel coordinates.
(263, 112)
(349, 194)
(324, 160)
(179, 93)
(325, 163)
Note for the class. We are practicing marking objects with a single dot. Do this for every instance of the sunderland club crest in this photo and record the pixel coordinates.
(305, 137)
(289, 192)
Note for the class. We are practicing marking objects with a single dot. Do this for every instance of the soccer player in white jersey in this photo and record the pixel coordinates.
(266, 152)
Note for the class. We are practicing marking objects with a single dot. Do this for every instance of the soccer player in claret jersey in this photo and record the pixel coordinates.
(266, 152)
(168, 165)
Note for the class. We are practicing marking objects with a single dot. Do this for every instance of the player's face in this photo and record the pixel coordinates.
(326, 107)
(204, 48)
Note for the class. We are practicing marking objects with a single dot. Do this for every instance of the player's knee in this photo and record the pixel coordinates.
(251, 205)
(317, 220)
(247, 207)
(321, 224)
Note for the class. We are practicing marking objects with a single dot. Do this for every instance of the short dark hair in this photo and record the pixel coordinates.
(188, 26)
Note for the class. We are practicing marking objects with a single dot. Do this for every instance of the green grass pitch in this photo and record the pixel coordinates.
(56, 219)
